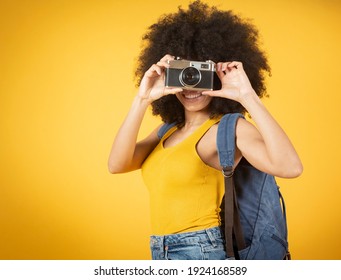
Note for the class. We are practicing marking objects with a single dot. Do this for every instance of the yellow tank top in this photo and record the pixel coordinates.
(185, 193)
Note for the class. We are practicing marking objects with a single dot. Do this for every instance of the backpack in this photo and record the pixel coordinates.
(253, 209)
(255, 217)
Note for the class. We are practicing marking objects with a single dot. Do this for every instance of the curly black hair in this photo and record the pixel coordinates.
(203, 33)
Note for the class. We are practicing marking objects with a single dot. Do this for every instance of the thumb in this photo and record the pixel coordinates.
(213, 93)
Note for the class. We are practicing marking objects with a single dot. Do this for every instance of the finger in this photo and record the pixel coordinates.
(213, 93)
(222, 70)
(218, 66)
(235, 64)
(167, 58)
(229, 65)
(172, 90)
(224, 66)
(163, 64)
(220, 73)
(154, 69)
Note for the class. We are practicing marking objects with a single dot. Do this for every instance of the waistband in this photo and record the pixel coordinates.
(187, 237)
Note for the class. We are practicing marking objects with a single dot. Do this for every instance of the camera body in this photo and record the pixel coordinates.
(192, 75)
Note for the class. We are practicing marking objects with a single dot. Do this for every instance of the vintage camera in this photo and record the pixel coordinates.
(193, 75)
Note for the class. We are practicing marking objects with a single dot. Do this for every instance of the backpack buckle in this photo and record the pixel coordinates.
(227, 171)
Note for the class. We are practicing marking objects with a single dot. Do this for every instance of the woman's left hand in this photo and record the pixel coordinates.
(235, 84)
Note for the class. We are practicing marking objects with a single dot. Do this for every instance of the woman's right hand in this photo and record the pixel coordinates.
(152, 86)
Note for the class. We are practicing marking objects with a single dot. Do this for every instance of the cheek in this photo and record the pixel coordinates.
(208, 99)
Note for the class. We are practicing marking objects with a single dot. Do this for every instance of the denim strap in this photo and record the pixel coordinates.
(164, 128)
(226, 139)
(226, 146)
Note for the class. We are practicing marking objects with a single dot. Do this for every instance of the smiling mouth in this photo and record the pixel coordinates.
(192, 95)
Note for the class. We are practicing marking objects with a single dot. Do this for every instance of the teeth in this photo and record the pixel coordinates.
(192, 95)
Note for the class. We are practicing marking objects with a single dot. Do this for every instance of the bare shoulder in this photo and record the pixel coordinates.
(243, 126)
(245, 131)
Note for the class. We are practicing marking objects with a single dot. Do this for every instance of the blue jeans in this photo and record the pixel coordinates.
(205, 244)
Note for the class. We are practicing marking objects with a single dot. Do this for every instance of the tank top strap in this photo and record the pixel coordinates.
(199, 133)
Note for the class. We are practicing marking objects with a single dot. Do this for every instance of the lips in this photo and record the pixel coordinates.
(191, 95)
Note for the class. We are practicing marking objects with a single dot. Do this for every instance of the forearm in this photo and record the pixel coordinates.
(280, 151)
(126, 154)
(121, 158)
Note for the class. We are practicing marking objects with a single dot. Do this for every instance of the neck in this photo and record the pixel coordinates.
(195, 119)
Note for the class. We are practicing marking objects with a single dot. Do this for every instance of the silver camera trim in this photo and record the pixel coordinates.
(183, 63)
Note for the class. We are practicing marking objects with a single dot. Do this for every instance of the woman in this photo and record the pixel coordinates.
(182, 170)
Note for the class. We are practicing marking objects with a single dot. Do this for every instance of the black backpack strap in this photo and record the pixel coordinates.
(226, 139)
(164, 128)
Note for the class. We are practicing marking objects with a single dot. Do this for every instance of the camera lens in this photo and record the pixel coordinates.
(190, 76)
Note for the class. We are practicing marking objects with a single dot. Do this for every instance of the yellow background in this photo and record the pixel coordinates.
(66, 83)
